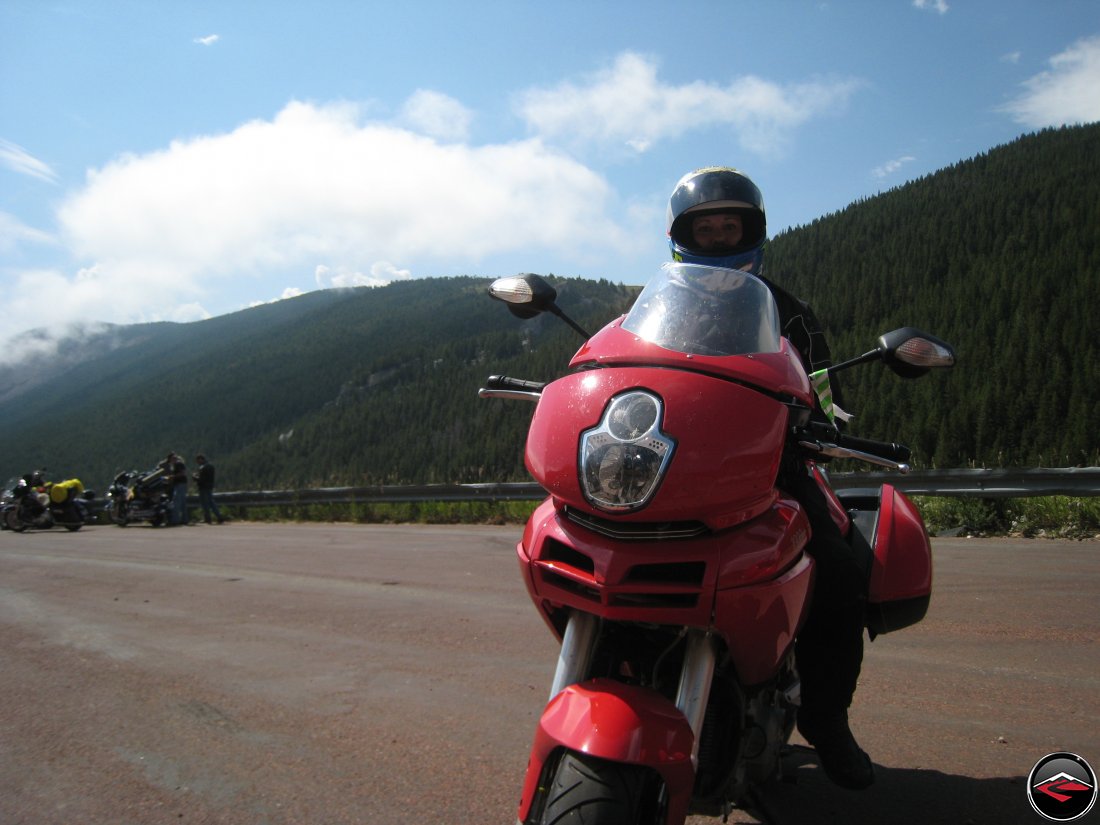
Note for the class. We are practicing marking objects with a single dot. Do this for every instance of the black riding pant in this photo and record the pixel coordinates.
(829, 649)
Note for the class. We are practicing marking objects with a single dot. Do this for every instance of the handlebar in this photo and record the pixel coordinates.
(827, 440)
(884, 449)
(503, 382)
(502, 386)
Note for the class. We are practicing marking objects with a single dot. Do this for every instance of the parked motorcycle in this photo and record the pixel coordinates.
(667, 561)
(33, 502)
(134, 497)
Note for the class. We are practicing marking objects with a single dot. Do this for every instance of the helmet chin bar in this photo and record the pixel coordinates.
(749, 261)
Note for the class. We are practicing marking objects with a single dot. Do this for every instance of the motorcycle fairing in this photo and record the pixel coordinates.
(760, 622)
(619, 722)
(728, 442)
(750, 583)
(837, 511)
(780, 372)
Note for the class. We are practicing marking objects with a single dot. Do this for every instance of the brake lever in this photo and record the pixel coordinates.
(833, 451)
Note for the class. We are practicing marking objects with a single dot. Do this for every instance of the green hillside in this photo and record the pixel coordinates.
(357, 386)
(999, 254)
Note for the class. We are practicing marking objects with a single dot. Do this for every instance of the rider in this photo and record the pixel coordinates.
(716, 217)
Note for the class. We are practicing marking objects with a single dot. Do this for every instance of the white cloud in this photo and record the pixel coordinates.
(18, 159)
(320, 189)
(51, 300)
(183, 313)
(388, 273)
(13, 233)
(313, 189)
(437, 115)
(938, 6)
(209, 40)
(37, 343)
(891, 166)
(380, 274)
(315, 184)
(628, 106)
(289, 292)
(1066, 94)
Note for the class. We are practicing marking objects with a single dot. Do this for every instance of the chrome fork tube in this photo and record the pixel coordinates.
(577, 646)
(695, 680)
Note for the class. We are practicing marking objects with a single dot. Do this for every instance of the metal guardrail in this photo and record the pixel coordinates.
(384, 494)
(1008, 483)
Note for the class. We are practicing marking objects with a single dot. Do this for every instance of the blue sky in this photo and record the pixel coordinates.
(175, 161)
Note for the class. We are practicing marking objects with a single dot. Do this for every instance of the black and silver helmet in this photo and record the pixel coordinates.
(716, 190)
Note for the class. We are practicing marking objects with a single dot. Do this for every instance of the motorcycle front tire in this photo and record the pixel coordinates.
(14, 522)
(590, 791)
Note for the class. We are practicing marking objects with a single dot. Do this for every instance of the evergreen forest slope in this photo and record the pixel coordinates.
(999, 254)
(354, 386)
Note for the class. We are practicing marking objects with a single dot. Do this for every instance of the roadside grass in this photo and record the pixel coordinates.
(1041, 516)
(1045, 516)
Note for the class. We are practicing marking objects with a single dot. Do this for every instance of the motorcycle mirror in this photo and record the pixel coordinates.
(527, 295)
(910, 353)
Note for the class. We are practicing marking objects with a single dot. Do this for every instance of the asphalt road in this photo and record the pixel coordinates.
(325, 674)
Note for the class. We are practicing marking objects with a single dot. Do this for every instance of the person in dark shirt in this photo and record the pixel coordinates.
(177, 476)
(716, 217)
(205, 480)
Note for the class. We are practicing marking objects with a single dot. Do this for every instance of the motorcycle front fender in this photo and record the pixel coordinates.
(619, 723)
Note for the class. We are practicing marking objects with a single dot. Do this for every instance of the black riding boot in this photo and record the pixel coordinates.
(829, 655)
(828, 679)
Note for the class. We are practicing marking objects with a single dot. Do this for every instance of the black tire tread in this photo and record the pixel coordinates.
(590, 791)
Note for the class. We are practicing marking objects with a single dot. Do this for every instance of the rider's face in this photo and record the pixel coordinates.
(722, 231)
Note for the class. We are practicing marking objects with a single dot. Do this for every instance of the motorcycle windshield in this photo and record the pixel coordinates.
(706, 310)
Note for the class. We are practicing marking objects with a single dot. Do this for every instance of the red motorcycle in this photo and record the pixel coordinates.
(667, 561)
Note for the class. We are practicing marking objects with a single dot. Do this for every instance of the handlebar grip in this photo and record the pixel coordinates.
(886, 449)
(503, 382)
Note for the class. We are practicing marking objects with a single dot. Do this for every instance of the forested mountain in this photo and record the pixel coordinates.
(357, 386)
(999, 254)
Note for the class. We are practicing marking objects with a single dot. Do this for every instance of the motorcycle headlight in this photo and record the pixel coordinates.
(623, 458)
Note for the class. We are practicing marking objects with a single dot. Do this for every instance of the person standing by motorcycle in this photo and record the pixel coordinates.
(716, 217)
(178, 477)
(204, 478)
